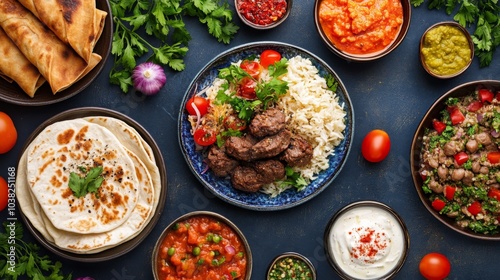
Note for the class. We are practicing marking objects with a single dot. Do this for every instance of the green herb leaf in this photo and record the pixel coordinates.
(166, 36)
(90, 183)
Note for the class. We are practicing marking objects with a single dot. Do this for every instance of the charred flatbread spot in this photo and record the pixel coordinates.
(65, 137)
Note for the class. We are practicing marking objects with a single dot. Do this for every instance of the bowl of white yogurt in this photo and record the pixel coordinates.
(366, 240)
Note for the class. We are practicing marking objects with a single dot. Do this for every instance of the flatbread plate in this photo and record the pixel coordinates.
(146, 180)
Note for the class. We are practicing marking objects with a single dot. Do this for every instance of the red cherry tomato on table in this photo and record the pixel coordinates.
(376, 145)
(4, 193)
(269, 57)
(204, 137)
(434, 266)
(201, 103)
(8, 133)
(251, 67)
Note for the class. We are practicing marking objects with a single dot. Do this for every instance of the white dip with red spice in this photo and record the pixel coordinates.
(366, 242)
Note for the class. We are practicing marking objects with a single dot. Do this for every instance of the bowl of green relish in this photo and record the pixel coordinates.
(446, 50)
(291, 266)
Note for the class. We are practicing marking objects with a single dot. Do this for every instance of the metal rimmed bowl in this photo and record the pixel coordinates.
(120, 249)
(369, 56)
(434, 112)
(222, 187)
(430, 46)
(251, 21)
(12, 93)
(157, 260)
(292, 263)
(366, 240)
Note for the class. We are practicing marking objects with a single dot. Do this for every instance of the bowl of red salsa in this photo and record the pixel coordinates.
(263, 14)
(364, 31)
(202, 245)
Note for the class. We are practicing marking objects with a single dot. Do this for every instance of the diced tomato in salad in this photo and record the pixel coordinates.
(485, 95)
(493, 157)
(456, 115)
(438, 204)
(449, 192)
(461, 158)
(439, 126)
(475, 208)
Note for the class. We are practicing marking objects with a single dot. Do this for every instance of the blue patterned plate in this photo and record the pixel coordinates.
(222, 187)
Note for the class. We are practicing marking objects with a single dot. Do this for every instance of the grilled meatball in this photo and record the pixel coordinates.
(240, 147)
(219, 162)
(270, 170)
(246, 179)
(271, 146)
(299, 152)
(269, 122)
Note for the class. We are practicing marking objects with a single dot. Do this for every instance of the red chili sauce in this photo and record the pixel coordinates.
(201, 248)
(262, 12)
(361, 26)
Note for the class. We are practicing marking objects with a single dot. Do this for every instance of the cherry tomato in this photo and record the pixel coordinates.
(485, 95)
(204, 137)
(438, 126)
(201, 103)
(493, 157)
(475, 208)
(4, 193)
(456, 115)
(246, 88)
(251, 67)
(449, 192)
(269, 57)
(438, 204)
(461, 158)
(494, 193)
(434, 266)
(376, 145)
(8, 133)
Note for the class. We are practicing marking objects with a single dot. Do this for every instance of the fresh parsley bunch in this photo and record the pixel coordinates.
(28, 261)
(484, 15)
(139, 22)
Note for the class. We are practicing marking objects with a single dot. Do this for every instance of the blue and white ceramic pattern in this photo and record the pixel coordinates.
(222, 187)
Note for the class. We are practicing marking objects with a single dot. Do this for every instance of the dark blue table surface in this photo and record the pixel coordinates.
(392, 93)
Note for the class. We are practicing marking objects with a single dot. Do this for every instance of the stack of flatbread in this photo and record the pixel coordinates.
(124, 203)
(48, 41)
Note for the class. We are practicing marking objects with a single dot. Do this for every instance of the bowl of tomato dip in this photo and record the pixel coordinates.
(366, 240)
(362, 31)
(446, 50)
(263, 14)
(202, 245)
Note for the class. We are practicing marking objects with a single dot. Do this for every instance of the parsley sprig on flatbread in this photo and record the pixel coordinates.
(89, 183)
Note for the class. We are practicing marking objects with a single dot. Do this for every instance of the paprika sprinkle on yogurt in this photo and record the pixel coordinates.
(361, 26)
(262, 12)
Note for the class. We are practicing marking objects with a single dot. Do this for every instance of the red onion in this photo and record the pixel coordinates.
(148, 78)
(230, 250)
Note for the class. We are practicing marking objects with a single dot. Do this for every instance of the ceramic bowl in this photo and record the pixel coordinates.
(366, 240)
(434, 112)
(369, 56)
(250, 21)
(157, 260)
(287, 261)
(222, 187)
(443, 71)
